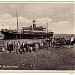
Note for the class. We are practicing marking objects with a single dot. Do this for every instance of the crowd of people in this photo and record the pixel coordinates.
(24, 47)
(62, 41)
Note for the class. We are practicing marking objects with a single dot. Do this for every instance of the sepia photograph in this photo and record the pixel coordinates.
(37, 36)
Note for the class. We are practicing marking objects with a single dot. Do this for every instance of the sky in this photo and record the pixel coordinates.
(59, 16)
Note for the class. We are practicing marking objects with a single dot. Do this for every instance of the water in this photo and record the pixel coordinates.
(66, 36)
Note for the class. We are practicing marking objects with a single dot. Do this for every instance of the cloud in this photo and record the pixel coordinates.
(10, 22)
(43, 20)
(63, 22)
(57, 27)
(24, 21)
(7, 21)
(62, 27)
(5, 16)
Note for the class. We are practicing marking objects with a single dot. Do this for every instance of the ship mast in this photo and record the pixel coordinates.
(17, 21)
(47, 27)
(47, 30)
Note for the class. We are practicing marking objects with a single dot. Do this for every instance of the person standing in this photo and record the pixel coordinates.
(9, 47)
(47, 45)
(14, 46)
(34, 46)
(18, 47)
(72, 41)
(23, 48)
(3, 47)
(50, 41)
(41, 45)
(26, 47)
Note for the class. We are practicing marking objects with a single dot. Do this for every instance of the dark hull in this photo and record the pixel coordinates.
(8, 35)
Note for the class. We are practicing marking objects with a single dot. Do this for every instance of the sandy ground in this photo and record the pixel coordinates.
(62, 58)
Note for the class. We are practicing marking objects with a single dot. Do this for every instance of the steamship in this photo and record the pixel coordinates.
(32, 32)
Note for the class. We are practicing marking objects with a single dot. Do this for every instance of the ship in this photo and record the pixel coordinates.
(32, 32)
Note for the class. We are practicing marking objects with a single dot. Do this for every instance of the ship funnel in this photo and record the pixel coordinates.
(34, 24)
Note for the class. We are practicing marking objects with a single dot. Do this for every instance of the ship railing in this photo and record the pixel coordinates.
(50, 32)
(5, 30)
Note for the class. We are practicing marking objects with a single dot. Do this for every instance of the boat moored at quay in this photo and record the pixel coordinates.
(31, 32)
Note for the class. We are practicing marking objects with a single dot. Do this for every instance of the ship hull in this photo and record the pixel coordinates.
(8, 35)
